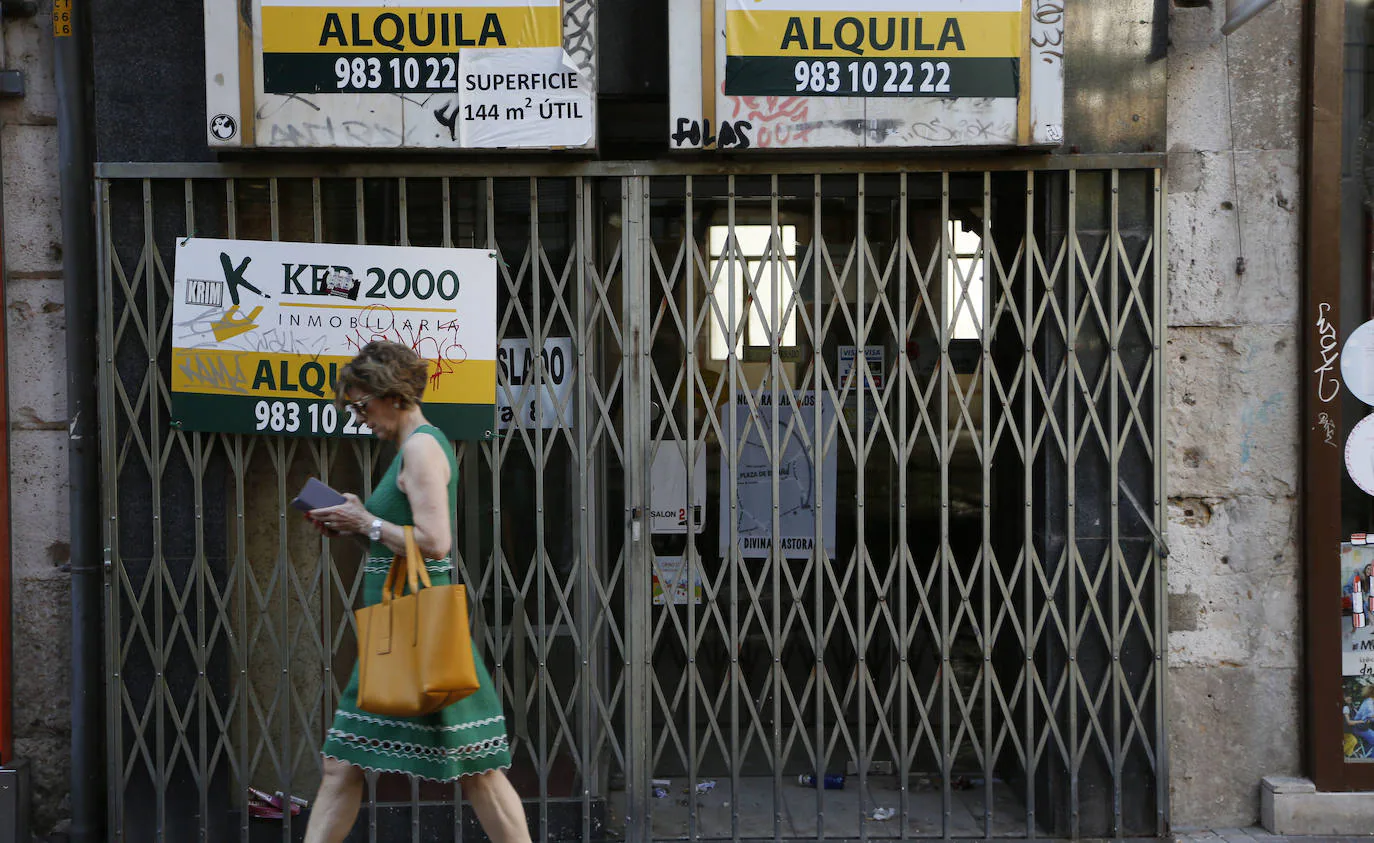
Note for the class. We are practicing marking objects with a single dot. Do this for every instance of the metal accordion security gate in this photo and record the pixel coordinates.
(845, 477)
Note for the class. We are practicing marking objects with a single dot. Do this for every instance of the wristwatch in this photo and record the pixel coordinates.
(374, 530)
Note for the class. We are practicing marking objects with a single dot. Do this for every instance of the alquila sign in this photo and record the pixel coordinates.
(879, 48)
(394, 74)
(261, 330)
(315, 49)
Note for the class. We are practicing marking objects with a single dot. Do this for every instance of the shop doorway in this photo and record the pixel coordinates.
(798, 474)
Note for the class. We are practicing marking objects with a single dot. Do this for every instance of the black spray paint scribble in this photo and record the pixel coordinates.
(872, 129)
(731, 134)
(447, 115)
(327, 130)
(281, 101)
(962, 131)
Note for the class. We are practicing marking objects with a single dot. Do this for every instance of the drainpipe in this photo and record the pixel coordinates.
(74, 106)
(1322, 465)
(14, 788)
(6, 559)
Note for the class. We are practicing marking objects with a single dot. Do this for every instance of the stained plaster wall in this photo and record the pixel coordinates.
(38, 414)
(1233, 577)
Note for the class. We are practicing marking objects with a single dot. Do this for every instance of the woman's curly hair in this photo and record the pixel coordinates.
(384, 370)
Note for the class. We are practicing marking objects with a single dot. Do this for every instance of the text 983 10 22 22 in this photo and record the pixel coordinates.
(896, 78)
(791, 76)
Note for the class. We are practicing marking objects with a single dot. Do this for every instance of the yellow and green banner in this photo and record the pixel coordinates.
(363, 47)
(880, 48)
(261, 329)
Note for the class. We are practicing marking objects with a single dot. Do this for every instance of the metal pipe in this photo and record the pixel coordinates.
(201, 170)
(6, 569)
(71, 62)
(1322, 465)
(6, 603)
(1240, 11)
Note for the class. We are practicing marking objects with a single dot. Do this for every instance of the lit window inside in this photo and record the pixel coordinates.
(765, 256)
(964, 284)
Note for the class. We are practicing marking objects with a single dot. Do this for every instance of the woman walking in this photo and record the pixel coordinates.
(383, 385)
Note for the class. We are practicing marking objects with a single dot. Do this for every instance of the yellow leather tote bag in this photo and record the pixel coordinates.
(414, 650)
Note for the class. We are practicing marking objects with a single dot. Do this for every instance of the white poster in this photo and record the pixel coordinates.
(849, 374)
(851, 378)
(802, 74)
(1359, 454)
(530, 97)
(520, 401)
(1357, 651)
(670, 582)
(1357, 645)
(669, 496)
(1357, 363)
(803, 487)
(381, 74)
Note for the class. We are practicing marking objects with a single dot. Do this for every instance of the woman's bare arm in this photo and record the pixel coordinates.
(424, 480)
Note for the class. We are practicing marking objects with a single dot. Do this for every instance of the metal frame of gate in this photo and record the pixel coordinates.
(985, 651)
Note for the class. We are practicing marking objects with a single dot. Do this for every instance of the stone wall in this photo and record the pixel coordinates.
(38, 415)
(1234, 581)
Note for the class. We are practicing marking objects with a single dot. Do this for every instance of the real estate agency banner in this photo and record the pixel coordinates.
(261, 329)
(873, 48)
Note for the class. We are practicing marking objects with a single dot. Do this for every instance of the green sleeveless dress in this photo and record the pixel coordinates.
(466, 738)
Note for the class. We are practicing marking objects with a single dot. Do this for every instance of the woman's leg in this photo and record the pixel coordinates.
(498, 807)
(336, 803)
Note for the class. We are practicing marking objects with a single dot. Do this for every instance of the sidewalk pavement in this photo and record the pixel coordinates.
(1257, 833)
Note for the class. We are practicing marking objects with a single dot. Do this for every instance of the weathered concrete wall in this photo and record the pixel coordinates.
(1233, 577)
(38, 415)
(1234, 616)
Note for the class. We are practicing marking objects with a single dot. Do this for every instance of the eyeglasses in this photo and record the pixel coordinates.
(359, 406)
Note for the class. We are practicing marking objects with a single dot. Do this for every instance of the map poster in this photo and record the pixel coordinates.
(805, 489)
